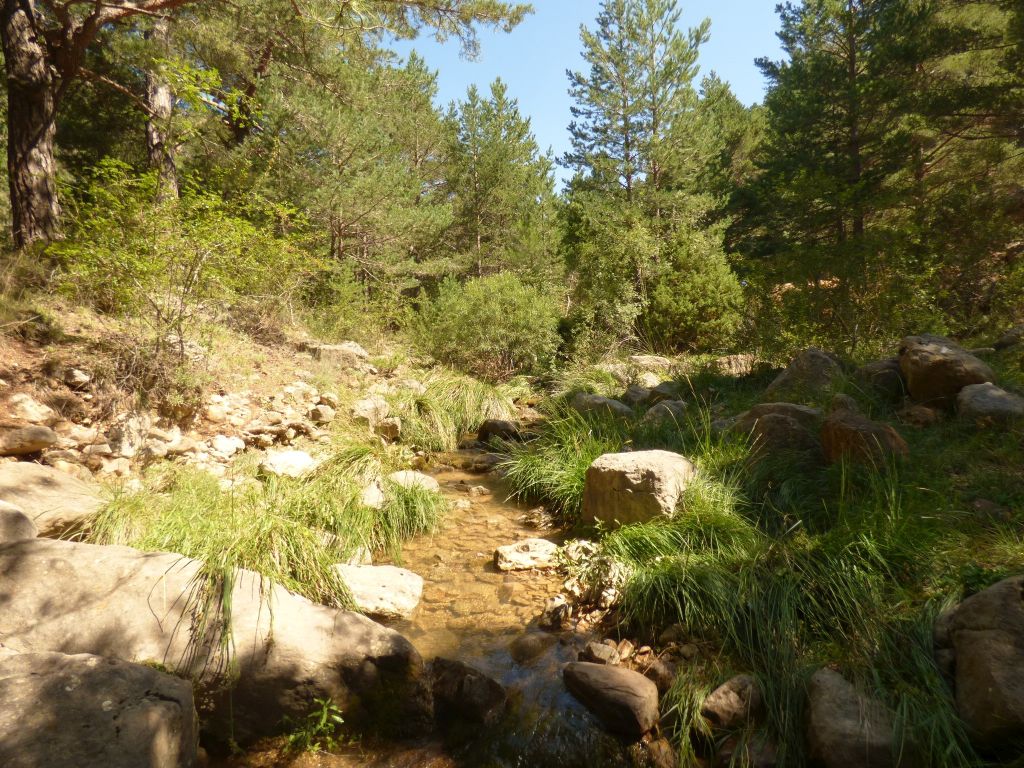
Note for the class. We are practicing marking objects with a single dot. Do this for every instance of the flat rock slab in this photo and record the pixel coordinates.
(623, 488)
(143, 607)
(55, 501)
(625, 701)
(84, 711)
(525, 555)
(383, 591)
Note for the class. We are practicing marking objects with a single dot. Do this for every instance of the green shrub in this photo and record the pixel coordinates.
(698, 304)
(492, 327)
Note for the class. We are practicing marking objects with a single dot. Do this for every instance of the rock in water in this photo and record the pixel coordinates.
(140, 607)
(383, 591)
(500, 429)
(525, 555)
(987, 403)
(626, 702)
(936, 369)
(622, 488)
(55, 501)
(986, 636)
(466, 694)
(84, 711)
(846, 729)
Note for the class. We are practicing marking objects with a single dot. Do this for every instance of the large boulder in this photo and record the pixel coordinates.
(884, 378)
(24, 407)
(780, 427)
(987, 403)
(625, 701)
(383, 591)
(622, 488)
(55, 501)
(596, 404)
(847, 434)
(985, 634)
(158, 609)
(466, 694)
(15, 525)
(936, 369)
(526, 555)
(846, 729)
(809, 373)
(83, 711)
(18, 438)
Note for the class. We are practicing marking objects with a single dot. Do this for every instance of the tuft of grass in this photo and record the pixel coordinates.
(451, 406)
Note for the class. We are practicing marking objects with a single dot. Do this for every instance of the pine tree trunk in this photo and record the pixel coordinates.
(31, 125)
(160, 101)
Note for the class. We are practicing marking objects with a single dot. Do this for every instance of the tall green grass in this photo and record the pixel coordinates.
(451, 406)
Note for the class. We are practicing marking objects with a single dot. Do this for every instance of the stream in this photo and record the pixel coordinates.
(473, 612)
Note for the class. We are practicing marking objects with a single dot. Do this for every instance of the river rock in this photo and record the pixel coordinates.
(667, 412)
(985, 634)
(781, 427)
(810, 372)
(846, 729)
(20, 439)
(734, 704)
(383, 591)
(83, 711)
(409, 479)
(500, 429)
(292, 464)
(883, 377)
(849, 435)
(142, 607)
(15, 525)
(600, 653)
(622, 488)
(987, 403)
(370, 411)
(936, 369)
(526, 555)
(625, 701)
(528, 647)
(56, 502)
(586, 403)
(466, 694)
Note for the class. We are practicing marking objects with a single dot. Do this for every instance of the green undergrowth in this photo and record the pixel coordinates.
(780, 565)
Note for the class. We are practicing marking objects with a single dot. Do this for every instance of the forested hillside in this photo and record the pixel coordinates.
(340, 426)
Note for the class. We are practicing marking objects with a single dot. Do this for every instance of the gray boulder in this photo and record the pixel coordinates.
(987, 403)
(500, 429)
(667, 413)
(846, 729)
(936, 369)
(985, 637)
(55, 501)
(15, 525)
(625, 701)
(586, 403)
(150, 608)
(809, 372)
(83, 711)
(20, 439)
(409, 479)
(1011, 338)
(623, 488)
(383, 591)
(884, 378)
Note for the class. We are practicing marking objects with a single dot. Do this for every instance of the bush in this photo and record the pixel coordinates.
(698, 305)
(492, 327)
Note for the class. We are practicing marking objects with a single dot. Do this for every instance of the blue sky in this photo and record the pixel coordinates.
(532, 60)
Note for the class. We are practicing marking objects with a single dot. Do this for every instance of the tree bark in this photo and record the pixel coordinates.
(160, 102)
(31, 125)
